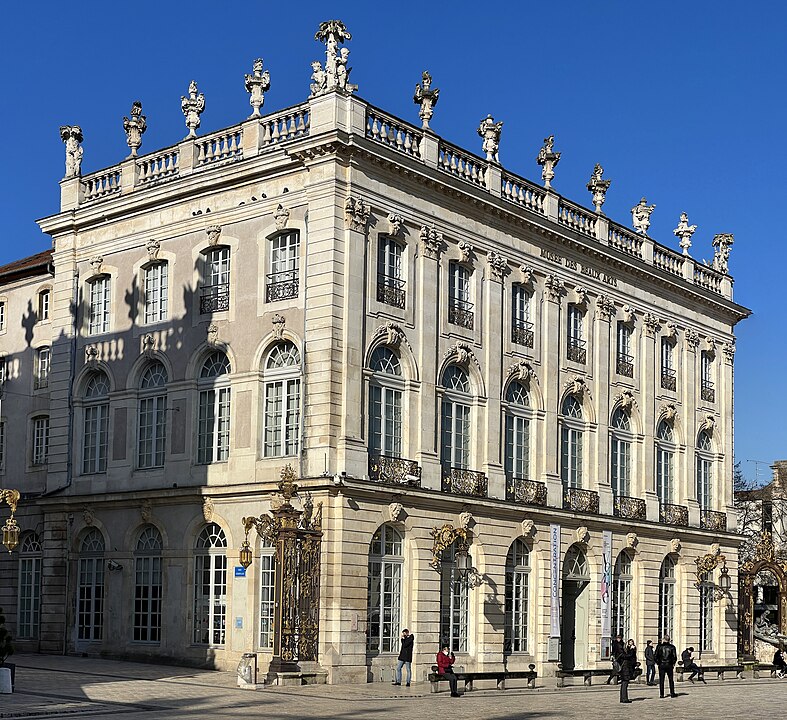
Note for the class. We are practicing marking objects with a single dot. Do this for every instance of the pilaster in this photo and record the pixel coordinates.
(495, 378)
(603, 372)
(550, 360)
(649, 382)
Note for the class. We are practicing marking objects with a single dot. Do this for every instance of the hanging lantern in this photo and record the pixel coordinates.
(246, 556)
(10, 534)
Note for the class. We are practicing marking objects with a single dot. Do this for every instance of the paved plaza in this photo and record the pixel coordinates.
(51, 687)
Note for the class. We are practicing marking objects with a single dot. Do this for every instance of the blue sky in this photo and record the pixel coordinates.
(681, 102)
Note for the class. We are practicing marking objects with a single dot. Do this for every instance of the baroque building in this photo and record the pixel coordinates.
(508, 417)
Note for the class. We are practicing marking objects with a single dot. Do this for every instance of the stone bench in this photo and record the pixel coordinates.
(586, 675)
(759, 669)
(720, 671)
(499, 676)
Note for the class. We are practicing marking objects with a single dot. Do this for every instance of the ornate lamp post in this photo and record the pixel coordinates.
(10, 529)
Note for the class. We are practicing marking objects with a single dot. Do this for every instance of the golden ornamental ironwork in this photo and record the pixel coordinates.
(287, 486)
(707, 563)
(443, 538)
(10, 528)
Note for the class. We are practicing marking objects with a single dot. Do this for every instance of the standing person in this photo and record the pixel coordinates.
(405, 657)
(628, 664)
(445, 661)
(617, 650)
(689, 664)
(650, 662)
(666, 656)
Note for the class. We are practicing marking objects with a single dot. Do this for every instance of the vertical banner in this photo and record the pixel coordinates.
(554, 586)
(606, 593)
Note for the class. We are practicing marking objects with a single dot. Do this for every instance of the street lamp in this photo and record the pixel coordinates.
(462, 558)
(725, 583)
(10, 529)
(245, 556)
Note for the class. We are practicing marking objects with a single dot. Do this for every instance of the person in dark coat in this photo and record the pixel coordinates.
(666, 656)
(627, 662)
(445, 661)
(650, 662)
(405, 657)
(689, 664)
(779, 663)
(617, 650)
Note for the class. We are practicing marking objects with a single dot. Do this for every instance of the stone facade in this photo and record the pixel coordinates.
(277, 235)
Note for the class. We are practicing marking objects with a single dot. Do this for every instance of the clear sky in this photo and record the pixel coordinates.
(682, 102)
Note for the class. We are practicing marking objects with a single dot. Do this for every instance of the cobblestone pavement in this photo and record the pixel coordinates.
(55, 687)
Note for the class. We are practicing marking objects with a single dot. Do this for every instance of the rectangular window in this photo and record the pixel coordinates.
(2, 447)
(213, 426)
(210, 599)
(99, 306)
(29, 597)
(571, 457)
(282, 417)
(390, 279)
(267, 598)
(90, 599)
(385, 436)
(43, 305)
(384, 593)
(667, 364)
(156, 292)
(2, 370)
(625, 358)
(283, 278)
(40, 441)
(215, 293)
(576, 351)
(94, 451)
(620, 466)
(521, 323)
(152, 431)
(517, 599)
(706, 378)
(42, 362)
(147, 599)
(454, 597)
(706, 617)
(460, 309)
(456, 435)
(2, 315)
(517, 447)
(704, 483)
(767, 516)
(665, 473)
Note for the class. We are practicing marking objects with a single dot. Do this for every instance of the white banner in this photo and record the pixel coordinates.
(606, 592)
(554, 589)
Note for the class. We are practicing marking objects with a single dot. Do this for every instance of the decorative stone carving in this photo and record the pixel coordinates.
(527, 274)
(651, 324)
(674, 545)
(336, 74)
(356, 214)
(466, 519)
(96, 262)
(278, 322)
(669, 412)
(632, 540)
(71, 135)
(709, 424)
(554, 287)
(671, 330)
(528, 527)
(395, 223)
(431, 241)
(605, 308)
(461, 353)
(391, 333)
(395, 511)
(426, 97)
(692, 338)
(710, 345)
(135, 127)
(722, 244)
(146, 510)
(640, 216)
(576, 386)
(684, 231)
(148, 344)
(728, 350)
(281, 217)
(490, 131)
(207, 509)
(580, 296)
(598, 187)
(213, 334)
(192, 107)
(91, 355)
(628, 314)
(715, 549)
(257, 84)
(214, 233)
(88, 515)
(522, 371)
(581, 534)
(153, 247)
(625, 400)
(548, 161)
(465, 251)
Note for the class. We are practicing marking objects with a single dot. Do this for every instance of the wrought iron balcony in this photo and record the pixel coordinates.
(707, 392)
(629, 507)
(625, 365)
(674, 515)
(668, 379)
(522, 333)
(214, 298)
(529, 492)
(459, 481)
(712, 520)
(394, 470)
(576, 351)
(281, 286)
(390, 290)
(460, 312)
(580, 500)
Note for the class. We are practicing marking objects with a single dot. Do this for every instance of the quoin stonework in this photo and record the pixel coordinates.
(405, 385)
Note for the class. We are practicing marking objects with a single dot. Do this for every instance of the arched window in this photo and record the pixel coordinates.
(517, 431)
(90, 586)
(667, 597)
(152, 427)
(99, 311)
(156, 292)
(213, 432)
(576, 565)
(571, 431)
(96, 424)
(147, 586)
(517, 598)
(29, 615)
(665, 463)
(210, 586)
(385, 403)
(384, 595)
(704, 471)
(621, 596)
(454, 603)
(455, 444)
(267, 567)
(620, 453)
(282, 401)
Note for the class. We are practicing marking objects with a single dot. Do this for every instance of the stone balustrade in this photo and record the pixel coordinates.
(223, 145)
(523, 193)
(102, 184)
(161, 166)
(624, 240)
(463, 165)
(398, 135)
(285, 125)
(668, 261)
(576, 218)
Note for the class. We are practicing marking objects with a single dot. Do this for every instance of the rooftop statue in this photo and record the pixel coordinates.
(135, 127)
(684, 231)
(257, 84)
(548, 161)
(192, 107)
(336, 74)
(72, 137)
(721, 257)
(598, 187)
(426, 97)
(640, 216)
(490, 131)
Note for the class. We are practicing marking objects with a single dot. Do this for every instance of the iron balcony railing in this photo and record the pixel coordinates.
(214, 298)
(460, 312)
(712, 520)
(576, 351)
(625, 365)
(394, 470)
(668, 379)
(528, 492)
(674, 514)
(281, 286)
(707, 392)
(459, 481)
(580, 500)
(390, 290)
(522, 333)
(629, 507)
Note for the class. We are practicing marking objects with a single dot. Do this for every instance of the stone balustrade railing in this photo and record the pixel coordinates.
(102, 184)
(577, 218)
(161, 166)
(398, 135)
(522, 192)
(220, 146)
(463, 165)
(668, 261)
(625, 240)
(285, 125)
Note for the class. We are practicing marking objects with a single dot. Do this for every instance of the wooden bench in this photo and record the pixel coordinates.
(720, 670)
(499, 676)
(586, 675)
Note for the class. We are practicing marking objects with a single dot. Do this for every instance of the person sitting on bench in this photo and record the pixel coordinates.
(689, 664)
(779, 663)
(445, 660)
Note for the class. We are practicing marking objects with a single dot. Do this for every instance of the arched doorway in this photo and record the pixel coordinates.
(576, 607)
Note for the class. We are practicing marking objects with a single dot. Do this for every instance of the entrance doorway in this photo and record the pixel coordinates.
(576, 606)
